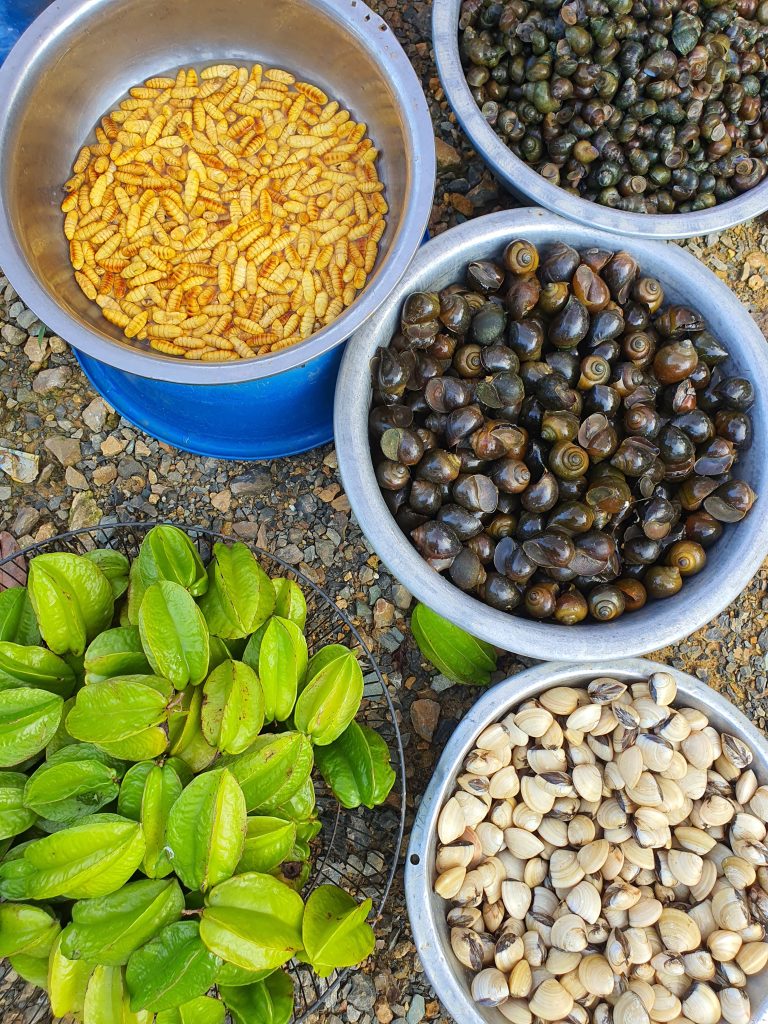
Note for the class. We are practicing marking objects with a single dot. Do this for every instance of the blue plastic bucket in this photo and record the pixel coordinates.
(260, 419)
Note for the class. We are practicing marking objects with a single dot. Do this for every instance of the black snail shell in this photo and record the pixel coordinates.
(554, 438)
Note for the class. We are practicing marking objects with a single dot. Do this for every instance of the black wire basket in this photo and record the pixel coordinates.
(357, 850)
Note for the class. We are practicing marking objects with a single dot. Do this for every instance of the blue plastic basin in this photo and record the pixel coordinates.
(261, 419)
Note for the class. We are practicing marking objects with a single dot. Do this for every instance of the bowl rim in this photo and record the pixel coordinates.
(367, 30)
(528, 183)
(627, 637)
(442, 970)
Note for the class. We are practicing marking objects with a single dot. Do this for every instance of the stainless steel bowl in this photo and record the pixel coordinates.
(731, 562)
(529, 185)
(80, 57)
(427, 911)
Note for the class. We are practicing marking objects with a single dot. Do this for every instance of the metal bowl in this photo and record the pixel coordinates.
(80, 57)
(358, 850)
(731, 562)
(427, 911)
(528, 184)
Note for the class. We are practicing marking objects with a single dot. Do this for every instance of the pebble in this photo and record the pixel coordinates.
(416, 1009)
(12, 335)
(425, 714)
(401, 596)
(51, 380)
(362, 991)
(84, 511)
(112, 446)
(448, 157)
(383, 614)
(66, 449)
(256, 482)
(26, 520)
(95, 415)
(74, 478)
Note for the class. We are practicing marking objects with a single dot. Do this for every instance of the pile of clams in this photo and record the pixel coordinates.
(555, 437)
(604, 856)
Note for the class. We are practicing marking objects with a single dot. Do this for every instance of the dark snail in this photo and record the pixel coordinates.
(550, 435)
(645, 108)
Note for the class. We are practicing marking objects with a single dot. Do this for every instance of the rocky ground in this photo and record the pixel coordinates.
(85, 465)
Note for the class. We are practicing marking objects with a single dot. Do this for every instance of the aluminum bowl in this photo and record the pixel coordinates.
(79, 58)
(427, 911)
(731, 562)
(528, 184)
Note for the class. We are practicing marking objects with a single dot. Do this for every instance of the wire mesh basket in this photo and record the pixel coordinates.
(357, 850)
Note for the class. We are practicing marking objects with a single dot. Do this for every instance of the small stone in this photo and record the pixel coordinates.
(141, 450)
(112, 446)
(36, 349)
(460, 203)
(383, 614)
(383, 1014)
(66, 449)
(290, 554)
(104, 475)
(13, 335)
(26, 319)
(58, 345)
(51, 380)
(424, 716)
(448, 157)
(95, 415)
(254, 482)
(75, 479)
(440, 683)
(402, 597)
(222, 501)
(26, 520)
(416, 1009)
(84, 512)
(362, 991)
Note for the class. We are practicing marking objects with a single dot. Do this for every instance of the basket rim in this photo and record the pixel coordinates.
(147, 524)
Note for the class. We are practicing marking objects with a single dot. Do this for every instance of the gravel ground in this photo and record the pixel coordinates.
(87, 465)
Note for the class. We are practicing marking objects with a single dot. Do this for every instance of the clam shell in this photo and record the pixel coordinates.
(584, 719)
(565, 869)
(746, 787)
(493, 915)
(477, 785)
(593, 856)
(560, 963)
(694, 783)
(536, 794)
(509, 951)
(562, 700)
(724, 945)
(596, 975)
(588, 781)
(735, 1006)
(474, 808)
(701, 1004)
(605, 690)
(662, 688)
(451, 822)
(465, 917)
(526, 818)
(697, 750)
(678, 931)
(472, 949)
(535, 950)
(656, 751)
(758, 805)
(675, 729)
(491, 838)
(456, 855)
(666, 1005)
(650, 713)
(646, 792)
(550, 1001)
(706, 883)
(646, 912)
(484, 762)
(697, 719)
(736, 751)
(730, 910)
(504, 784)
(516, 1011)
(694, 839)
(517, 898)
(584, 901)
(520, 980)
(752, 958)
(489, 987)
(569, 933)
(541, 759)
(685, 866)
(496, 735)
(501, 814)
(554, 832)
(517, 737)
(630, 764)
(533, 721)
(449, 883)
(522, 844)
(739, 872)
